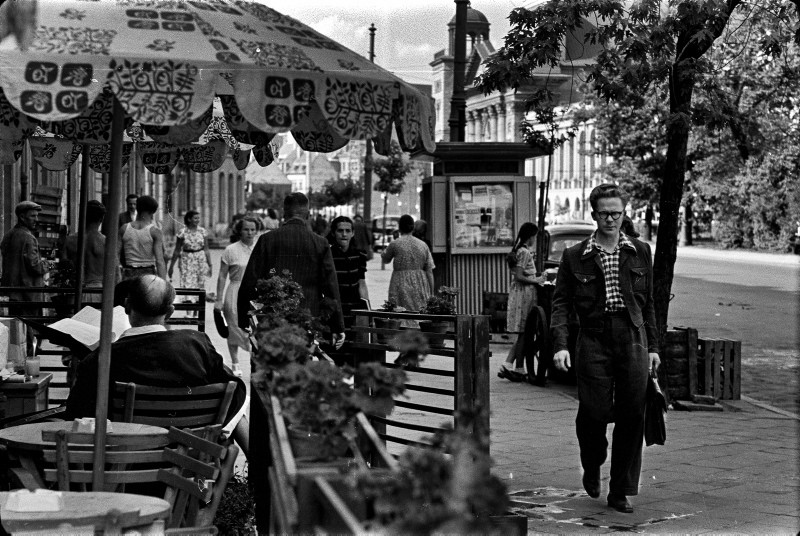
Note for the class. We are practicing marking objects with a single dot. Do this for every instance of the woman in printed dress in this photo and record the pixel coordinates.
(192, 250)
(412, 277)
(521, 298)
(231, 267)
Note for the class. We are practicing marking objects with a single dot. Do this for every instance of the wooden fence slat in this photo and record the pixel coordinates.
(465, 364)
(717, 368)
(691, 354)
(736, 373)
(708, 381)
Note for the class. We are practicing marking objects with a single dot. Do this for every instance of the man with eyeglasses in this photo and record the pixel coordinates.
(607, 280)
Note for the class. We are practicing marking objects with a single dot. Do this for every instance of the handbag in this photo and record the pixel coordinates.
(655, 422)
(221, 324)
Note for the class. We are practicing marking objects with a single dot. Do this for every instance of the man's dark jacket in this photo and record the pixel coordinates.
(177, 358)
(307, 256)
(580, 287)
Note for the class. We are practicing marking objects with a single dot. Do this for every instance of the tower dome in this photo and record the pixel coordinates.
(477, 28)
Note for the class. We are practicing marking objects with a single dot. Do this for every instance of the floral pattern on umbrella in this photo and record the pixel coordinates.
(164, 61)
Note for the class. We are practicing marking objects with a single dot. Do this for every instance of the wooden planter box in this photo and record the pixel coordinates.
(702, 366)
(289, 477)
(339, 510)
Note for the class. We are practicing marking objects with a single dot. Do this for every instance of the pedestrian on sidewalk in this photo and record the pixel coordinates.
(522, 262)
(607, 280)
(231, 270)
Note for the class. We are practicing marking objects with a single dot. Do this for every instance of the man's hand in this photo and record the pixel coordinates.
(561, 360)
(338, 340)
(655, 361)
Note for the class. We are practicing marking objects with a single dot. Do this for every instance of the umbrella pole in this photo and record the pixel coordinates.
(80, 263)
(110, 266)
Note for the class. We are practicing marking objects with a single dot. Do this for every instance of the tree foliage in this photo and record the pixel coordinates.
(343, 191)
(265, 196)
(645, 46)
(391, 170)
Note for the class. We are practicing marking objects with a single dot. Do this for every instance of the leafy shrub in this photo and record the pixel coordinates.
(236, 514)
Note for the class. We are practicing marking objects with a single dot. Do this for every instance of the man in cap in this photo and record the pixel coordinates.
(22, 264)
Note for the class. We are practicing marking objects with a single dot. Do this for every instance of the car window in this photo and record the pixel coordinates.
(559, 244)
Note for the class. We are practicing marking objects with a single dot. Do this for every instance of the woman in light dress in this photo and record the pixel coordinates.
(231, 267)
(191, 248)
(521, 298)
(412, 276)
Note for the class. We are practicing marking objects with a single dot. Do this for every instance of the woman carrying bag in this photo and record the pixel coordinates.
(231, 266)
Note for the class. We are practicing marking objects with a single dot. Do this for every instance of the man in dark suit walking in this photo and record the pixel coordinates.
(608, 281)
(306, 255)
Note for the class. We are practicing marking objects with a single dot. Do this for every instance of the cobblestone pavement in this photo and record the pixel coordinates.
(735, 471)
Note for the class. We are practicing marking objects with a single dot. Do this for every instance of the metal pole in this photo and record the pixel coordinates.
(80, 264)
(458, 101)
(368, 153)
(110, 265)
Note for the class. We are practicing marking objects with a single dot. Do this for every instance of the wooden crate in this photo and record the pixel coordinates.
(719, 372)
(680, 362)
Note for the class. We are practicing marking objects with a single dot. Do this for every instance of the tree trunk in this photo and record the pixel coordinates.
(648, 222)
(681, 89)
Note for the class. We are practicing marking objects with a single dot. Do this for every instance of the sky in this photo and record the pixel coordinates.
(409, 32)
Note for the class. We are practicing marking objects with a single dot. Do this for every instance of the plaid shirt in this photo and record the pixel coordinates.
(610, 262)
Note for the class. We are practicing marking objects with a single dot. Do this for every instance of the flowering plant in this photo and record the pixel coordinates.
(446, 488)
(280, 345)
(390, 306)
(376, 386)
(277, 294)
(278, 301)
(317, 398)
(442, 303)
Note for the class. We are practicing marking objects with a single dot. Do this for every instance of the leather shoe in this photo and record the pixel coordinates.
(620, 503)
(591, 482)
(510, 375)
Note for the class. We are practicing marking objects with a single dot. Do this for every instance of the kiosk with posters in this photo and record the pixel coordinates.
(474, 204)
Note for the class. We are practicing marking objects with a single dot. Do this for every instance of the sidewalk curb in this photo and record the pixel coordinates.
(768, 407)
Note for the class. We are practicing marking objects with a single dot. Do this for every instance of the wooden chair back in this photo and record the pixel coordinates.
(201, 471)
(183, 407)
(130, 458)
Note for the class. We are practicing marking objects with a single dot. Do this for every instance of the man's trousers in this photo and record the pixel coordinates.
(612, 365)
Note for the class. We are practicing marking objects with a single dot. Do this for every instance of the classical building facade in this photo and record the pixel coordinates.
(497, 117)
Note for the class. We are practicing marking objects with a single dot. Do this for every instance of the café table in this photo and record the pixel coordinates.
(25, 442)
(82, 509)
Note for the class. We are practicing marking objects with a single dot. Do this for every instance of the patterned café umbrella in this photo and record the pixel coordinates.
(164, 61)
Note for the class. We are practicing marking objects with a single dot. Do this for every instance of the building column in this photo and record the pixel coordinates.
(492, 111)
(471, 126)
(501, 120)
(483, 136)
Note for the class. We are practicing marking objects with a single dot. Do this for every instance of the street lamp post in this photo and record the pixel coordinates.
(368, 153)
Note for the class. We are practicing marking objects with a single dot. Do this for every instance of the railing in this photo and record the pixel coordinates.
(452, 378)
(51, 311)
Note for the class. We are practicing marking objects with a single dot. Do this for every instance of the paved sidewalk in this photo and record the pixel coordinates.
(737, 471)
(725, 472)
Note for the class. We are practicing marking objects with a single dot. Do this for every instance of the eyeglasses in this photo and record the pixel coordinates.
(603, 215)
